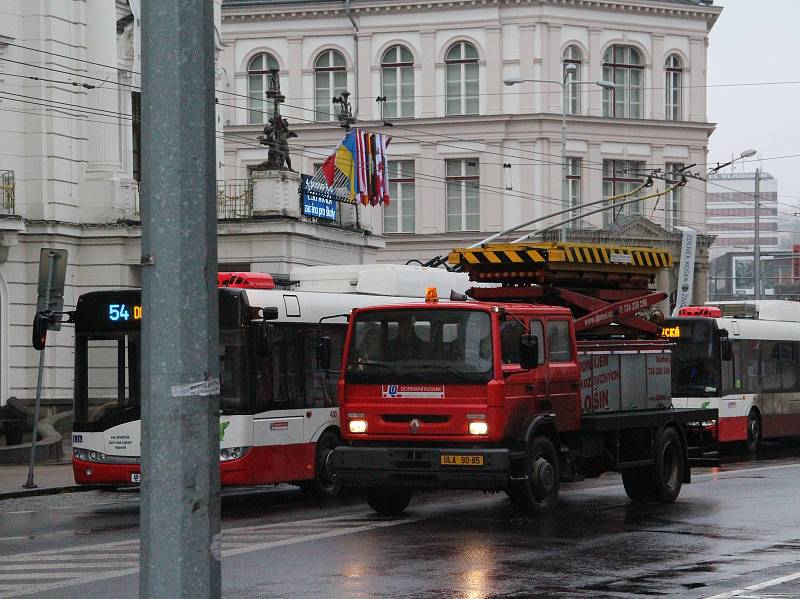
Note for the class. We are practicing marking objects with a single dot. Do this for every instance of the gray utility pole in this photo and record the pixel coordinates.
(180, 512)
(757, 244)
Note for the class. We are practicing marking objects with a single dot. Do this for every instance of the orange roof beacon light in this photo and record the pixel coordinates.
(431, 295)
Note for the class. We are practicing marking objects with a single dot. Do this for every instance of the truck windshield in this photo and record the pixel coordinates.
(695, 357)
(437, 346)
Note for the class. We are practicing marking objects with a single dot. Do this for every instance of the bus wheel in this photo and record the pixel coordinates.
(389, 501)
(753, 431)
(325, 484)
(669, 465)
(539, 493)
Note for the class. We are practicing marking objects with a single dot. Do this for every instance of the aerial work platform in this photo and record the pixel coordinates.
(607, 287)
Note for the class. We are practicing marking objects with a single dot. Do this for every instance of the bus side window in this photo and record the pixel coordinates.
(770, 366)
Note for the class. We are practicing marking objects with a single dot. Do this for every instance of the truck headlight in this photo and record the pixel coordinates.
(232, 453)
(478, 427)
(358, 426)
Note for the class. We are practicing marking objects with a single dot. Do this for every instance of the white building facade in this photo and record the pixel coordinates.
(70, 159)
(470, 155)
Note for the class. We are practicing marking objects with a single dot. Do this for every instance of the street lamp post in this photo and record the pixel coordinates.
(571, 69)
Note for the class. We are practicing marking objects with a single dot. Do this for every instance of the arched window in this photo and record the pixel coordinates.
(397, 71)
(330, 80)
(674, 83)
(258, 68)
(462, 79)
(623, 65)
(571, 73)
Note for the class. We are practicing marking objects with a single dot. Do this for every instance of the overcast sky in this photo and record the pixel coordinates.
(757, 41)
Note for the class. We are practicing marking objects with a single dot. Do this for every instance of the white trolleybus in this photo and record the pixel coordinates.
(744, 360)
(278, 411)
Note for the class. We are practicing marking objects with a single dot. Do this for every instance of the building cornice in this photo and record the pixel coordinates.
(255, 10)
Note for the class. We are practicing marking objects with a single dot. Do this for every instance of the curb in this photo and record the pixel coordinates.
(46, 491)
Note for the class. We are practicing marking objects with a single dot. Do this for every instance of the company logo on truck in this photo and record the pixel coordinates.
(412, 391)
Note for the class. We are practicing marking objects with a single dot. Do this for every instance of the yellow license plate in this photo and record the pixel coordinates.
(461, 460)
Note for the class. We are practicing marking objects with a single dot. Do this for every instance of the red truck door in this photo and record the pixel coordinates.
(526, 390)
(563, 373)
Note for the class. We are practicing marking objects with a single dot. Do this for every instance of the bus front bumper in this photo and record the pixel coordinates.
(423, 467)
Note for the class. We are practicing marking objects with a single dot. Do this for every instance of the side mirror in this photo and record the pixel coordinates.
(323, 352)
(528, 351)
(726, 350)
(39, 336)
(263, 336)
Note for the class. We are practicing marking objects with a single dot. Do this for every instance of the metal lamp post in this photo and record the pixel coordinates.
(570, 69)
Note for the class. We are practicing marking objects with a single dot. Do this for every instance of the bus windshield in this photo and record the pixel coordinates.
(695, 357)
(435, 346)
(107, 380)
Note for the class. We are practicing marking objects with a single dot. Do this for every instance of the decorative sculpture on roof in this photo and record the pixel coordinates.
(276, 132)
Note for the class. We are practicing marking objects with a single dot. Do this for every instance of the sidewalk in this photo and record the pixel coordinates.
(50, 479)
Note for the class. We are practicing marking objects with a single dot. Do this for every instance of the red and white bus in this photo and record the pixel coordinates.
(278, 411)
(743, 359)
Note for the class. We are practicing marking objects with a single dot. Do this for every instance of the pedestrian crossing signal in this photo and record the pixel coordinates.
(39, 337)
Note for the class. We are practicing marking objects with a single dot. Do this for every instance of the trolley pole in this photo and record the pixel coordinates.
(180, 512)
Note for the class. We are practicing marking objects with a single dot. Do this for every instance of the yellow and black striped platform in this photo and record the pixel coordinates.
(588, 257)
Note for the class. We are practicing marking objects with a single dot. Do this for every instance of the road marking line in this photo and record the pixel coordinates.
(6, 567)
(21, 575)
(82, 557)
(757, 587)
(331, 526)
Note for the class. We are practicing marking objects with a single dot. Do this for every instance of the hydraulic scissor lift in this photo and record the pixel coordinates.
(607, 287)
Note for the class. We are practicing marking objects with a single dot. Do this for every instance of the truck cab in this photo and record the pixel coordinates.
(445, 395)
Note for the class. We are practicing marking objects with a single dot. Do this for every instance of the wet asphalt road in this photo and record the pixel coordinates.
(730, 529)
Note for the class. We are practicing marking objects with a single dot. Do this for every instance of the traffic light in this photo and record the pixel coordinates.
(39, 337)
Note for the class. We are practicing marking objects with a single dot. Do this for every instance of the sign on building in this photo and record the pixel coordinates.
(314, 200)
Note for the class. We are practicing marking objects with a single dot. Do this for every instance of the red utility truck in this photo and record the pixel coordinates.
(501, 396)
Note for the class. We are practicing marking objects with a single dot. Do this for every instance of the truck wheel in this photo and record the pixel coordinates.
(638, 483)
(325, 484)
(389, 501)
(753, 431)
(669, 465)
(539, 493)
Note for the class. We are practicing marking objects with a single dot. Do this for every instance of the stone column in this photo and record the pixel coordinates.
(494, 69)
(275, 193)
(696, 76)
(365, 105)
(593, 178)
(552, 68)
(595, 60)
(294, 89)
(428, 83)
(658, 94)
(527, 55)
(100, 193)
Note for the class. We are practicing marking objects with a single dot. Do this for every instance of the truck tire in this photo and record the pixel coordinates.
(325, 484)
(754, 430)
(389, 501)
(669, 465)
(663, 480)
(539, 493)
(638, 484)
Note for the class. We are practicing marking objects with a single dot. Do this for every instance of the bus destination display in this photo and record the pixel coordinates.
(123, 312)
